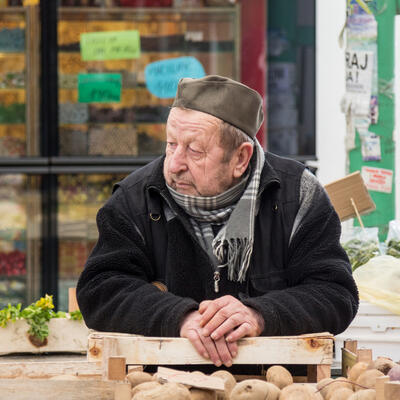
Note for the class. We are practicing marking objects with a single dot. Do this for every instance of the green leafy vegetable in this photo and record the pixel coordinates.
(393, 248)
(9, 313)
(37, 315)
(360, 252)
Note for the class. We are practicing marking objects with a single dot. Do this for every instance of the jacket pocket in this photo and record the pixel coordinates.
(261, 284)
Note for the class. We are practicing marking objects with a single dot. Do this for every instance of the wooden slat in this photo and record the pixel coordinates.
(123, 391)
(190, 379)
(316, 373)
(64, 336)
(364, 355)
(46, 369)
(307, 349)
(380, 387)
(44, 389)
(392, 390)
(348, 360)
(72, 302)
(116, 368)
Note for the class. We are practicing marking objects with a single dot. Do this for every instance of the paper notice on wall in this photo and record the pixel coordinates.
(116, 45)
(378, 179)
(370, 147)
(359, 68)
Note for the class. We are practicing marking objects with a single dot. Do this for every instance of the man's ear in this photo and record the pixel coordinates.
(241, 158)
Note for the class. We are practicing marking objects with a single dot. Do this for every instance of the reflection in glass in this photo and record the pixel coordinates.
(19, 239)
(80, 197)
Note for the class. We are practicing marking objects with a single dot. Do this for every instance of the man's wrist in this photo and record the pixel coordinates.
(259, 320)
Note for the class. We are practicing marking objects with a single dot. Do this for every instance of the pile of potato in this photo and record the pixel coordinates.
(359, 385)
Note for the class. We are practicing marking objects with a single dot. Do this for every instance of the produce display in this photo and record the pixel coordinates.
(361, 244)
(277, 385)
(37, 315)
(393, 248)
(360, 252)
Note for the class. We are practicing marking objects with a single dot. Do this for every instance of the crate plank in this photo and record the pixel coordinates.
(44, 389)
(306, 349)
(46, 369)
(64, 336)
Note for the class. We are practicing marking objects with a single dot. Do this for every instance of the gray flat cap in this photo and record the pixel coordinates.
(224, 98)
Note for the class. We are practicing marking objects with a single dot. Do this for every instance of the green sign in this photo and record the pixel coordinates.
(99, 88)
(117, 45)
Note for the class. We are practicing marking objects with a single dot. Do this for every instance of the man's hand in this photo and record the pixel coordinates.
(229, 316)
(219, 351)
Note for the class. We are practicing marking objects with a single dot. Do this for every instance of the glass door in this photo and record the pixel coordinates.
(20, 238)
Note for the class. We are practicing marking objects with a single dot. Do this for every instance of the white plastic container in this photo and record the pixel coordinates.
(374, 328)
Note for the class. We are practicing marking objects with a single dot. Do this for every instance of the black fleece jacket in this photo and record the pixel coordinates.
(299, 278)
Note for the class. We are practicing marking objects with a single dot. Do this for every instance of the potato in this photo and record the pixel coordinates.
(202, 394)
(394, 373)
(323, 386)
(167, 391)
(341, 394)
(229, 382)
(137, 377)
(255, 389)
(298, 391)
(356, 370)
(368, 394)
(279, 376)
(144, 386)
(336, 385)
(383, 364)
(367, 379)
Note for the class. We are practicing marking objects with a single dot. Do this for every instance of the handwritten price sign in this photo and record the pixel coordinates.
(99, 88)
(118, 45)
(162, 77)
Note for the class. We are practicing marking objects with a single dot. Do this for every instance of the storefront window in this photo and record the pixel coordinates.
(291, 78)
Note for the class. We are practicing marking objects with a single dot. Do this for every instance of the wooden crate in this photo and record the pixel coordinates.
(65, 335)
(351, 355)
(314, 350)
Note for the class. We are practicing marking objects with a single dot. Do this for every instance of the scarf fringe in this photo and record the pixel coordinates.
(237, 253)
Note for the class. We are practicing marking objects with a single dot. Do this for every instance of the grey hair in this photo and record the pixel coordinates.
(231, 138)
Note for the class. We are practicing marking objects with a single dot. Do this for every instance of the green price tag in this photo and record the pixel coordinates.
(99, 88)
(117, 45)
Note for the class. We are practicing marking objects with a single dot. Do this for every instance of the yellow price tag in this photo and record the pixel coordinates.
(31, 2)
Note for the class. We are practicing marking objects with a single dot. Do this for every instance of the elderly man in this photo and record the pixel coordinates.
(216, 240)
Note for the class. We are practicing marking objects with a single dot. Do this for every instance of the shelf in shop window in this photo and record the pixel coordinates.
(143, 11)
(13, 10)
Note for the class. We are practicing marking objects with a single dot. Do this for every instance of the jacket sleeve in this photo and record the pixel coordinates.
(113, 291)
(321, 295)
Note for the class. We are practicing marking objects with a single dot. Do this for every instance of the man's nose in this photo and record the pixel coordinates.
(177, 162)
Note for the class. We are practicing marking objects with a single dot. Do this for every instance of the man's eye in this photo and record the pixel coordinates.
(194, 151)
(171, 145)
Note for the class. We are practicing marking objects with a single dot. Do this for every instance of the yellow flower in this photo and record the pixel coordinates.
(45, 302)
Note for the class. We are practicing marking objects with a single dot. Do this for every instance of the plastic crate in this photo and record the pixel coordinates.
(374, 328)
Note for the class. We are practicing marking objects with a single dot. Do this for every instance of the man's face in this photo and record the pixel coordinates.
(194, 160)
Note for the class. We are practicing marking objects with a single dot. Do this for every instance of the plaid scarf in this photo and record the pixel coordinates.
(234, 210)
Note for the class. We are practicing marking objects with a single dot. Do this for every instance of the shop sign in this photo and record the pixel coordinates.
(99, 88)
(162, 77)
(378, 179)
(116, 45)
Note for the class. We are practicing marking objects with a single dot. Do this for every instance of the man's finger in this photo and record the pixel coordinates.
(209, 313)
(209, 345)
(242, 331)
(223, 352)
(233, 348)
(204, 305)
(225, 327)
(194, 338)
